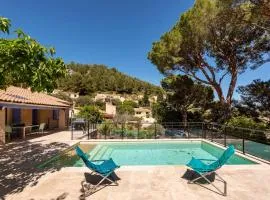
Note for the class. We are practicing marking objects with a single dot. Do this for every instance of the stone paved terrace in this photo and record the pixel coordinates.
(19, 179)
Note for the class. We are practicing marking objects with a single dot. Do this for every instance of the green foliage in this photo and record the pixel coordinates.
(122, 118)
(144, 102)
(218, 112)
(163, 112)
(125, 109)
(24, 61)
(63, 96)
(105, 128)
(158, 128)
(259, 13)
(84, 101)
(91, 113)
(116, 102)
(255, 99)
(88, 101)
(100, 104)
(88, 79)
(4, 24)
(208, 44)
(184, 95)
(130, 103)
(245, 122)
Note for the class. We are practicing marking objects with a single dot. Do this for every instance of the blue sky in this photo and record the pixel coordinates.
(116, 33)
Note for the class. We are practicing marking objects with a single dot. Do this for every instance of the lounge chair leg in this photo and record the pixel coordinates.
(204, 177)
(225, 184)
(104, 178)
(192, 181)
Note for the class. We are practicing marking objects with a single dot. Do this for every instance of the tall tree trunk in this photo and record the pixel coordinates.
(184, 114)
(219, 92)
(231, 88)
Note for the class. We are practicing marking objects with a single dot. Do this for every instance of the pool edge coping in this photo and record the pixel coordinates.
(255, 159)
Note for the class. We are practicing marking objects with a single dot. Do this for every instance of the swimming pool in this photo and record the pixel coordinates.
(148, 153)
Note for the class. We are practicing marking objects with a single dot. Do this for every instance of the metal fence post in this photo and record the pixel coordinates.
(202, 135)
(122, 133)
(243, 142)
(155, 130)
(88, 133)
(71, 129)
(225, 136)
(187, 129)
(138, 125)
(105, 133)
(212, 133)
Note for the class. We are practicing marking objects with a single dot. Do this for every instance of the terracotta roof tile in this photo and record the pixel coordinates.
(26, 96)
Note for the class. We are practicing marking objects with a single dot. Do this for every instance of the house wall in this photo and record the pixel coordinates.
(142, 113)
(26, 116)
(62, 119)
(110, 109)
(2, 125)
(46, 116)
(9, 116)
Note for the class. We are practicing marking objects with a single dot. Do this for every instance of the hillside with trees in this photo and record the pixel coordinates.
(87, 79)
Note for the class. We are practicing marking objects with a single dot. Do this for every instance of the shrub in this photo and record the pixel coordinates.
(159, 128)
(105, 128)
(246, 122)
(84, 101)
(91, 113)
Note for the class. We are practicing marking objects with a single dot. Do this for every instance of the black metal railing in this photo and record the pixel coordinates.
(254, 142)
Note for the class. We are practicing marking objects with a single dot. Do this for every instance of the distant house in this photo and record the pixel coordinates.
(21, 107)
(110, 111)
(100, 97)
(108, 97)
(153, 99)
(145, 114)
(73, 95)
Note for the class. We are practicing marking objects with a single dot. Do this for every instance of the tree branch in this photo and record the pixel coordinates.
(222, 77)
(193, 74)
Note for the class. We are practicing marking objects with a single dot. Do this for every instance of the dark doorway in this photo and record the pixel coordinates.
(35, 116)
(16, 116)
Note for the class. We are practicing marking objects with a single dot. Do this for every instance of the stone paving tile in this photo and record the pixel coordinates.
(144, 184)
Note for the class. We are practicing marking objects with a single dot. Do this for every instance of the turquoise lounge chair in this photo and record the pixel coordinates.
(204, 169)
(103, 168)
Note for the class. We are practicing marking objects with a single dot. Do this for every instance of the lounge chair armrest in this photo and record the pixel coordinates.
(97, 160)
(202, 159)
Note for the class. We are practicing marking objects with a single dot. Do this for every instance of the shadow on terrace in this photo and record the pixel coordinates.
(18, 163)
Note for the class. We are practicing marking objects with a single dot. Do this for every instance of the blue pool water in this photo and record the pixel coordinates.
(158, 153)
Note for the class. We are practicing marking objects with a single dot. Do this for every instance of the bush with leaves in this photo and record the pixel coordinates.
(100, 104)
(63, 96)
(257, 132)
(153, 129)
(246, 122)
(84, 101)
(105, 128)
(91, 114)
